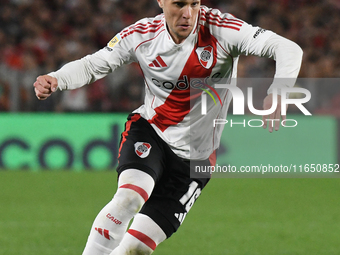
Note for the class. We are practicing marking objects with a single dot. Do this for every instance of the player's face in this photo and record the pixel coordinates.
(180, 16)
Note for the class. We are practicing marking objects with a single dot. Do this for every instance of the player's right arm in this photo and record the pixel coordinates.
(44, 86)
(73, 75)
(84, 71)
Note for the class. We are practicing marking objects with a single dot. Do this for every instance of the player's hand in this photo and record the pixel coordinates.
(45, 86)
(274, 118)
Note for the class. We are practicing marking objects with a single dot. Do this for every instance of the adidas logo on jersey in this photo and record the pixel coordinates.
(158, 62)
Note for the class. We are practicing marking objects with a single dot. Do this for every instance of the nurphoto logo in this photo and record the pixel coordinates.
(239, 105)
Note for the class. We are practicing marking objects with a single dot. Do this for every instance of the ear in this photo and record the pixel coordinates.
(160, 3)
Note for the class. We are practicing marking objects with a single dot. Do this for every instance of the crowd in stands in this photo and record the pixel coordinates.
(37, 37)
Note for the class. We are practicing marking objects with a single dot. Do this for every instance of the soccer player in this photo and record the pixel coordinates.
(181, 49)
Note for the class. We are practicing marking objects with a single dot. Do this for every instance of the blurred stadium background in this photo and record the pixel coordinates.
(57, 157)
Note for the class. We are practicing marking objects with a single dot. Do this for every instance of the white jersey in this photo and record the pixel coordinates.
(173, 71)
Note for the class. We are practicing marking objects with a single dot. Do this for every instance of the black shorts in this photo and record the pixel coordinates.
(174, 192)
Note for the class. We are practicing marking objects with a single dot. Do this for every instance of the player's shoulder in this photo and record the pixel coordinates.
(137, 33)
(144, 28)
(217, 21)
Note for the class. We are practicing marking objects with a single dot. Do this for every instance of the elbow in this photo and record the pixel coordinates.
(298, 52)
(295, 53)
(294, 50)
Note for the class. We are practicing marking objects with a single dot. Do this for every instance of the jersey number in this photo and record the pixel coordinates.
(189, 198)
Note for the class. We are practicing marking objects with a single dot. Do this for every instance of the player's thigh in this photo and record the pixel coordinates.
(169, 204)
(140, 148)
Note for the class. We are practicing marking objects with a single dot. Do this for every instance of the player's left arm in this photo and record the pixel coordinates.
(288, 57)
(287, 54)
(256, 41)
